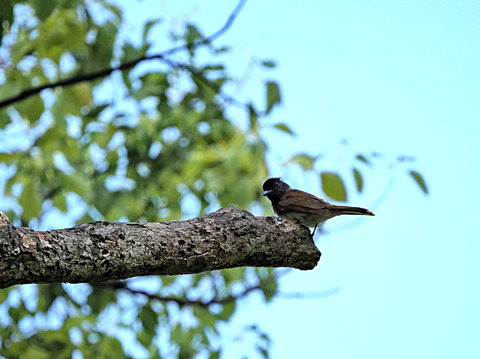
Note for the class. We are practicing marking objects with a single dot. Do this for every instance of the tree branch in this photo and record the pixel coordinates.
(182, 301)
(207, 40)
(124, 66)
(102, 251)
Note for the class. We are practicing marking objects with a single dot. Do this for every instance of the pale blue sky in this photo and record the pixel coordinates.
(399, 77)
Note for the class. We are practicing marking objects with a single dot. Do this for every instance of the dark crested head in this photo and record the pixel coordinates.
(274, 187)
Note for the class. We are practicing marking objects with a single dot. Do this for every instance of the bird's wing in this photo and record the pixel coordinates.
(295, 200)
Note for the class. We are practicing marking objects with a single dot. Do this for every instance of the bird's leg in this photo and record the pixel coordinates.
(313, 234)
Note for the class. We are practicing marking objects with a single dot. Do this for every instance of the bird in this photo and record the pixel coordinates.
(302, 207)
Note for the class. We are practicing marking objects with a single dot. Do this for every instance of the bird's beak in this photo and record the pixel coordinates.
(267, 192)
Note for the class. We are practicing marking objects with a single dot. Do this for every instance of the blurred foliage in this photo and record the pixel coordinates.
(162, 149)
(163, 146)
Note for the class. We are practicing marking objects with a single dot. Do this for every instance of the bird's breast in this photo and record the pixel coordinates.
(307, 219)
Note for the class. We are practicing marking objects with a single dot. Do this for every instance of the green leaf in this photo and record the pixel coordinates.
(62, 29)
(94, 111)
(284, 128)
(269, 64)
(101, 52)
(83, 92)
(100, 298)
(193, 34)
(17, 52)
(303, 160)
(4, 294)
(233, 275)
(177, 334)
(253, 117)
(43, 8)
(419, 180)
(358, 180)
(145, 337)
(7, 157)
(114, 9)
(363, 159)
(333, 186)
(75, 97)
(149, 319)
(204, 315)
(76, 183)
(32, 108)
(153, 84)
(60, 201)
(221, 49)
(263, 351)
(30, 200)
(148, 27)
(109, 345)
(132, 53)
(227, 310)
(213, 67)
(4, 117)
(273, 95)
(15, 313)
(6, 14)
(47, 293)
(269, 290)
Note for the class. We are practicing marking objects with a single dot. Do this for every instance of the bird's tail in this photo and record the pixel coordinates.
(352, 210)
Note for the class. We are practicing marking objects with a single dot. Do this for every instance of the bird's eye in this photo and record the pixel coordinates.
(276, 185)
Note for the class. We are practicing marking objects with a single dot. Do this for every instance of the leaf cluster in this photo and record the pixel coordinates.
(352, 174)
(159, 145)
(177, 316)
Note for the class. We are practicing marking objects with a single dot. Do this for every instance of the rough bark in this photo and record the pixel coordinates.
(101, 251)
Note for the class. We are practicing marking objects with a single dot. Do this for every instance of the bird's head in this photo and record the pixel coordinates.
(275, 188)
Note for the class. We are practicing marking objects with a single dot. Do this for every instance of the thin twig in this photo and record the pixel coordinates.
(184, 301)
(121, 285)
(309, 295)
(124, 66)
(207, 40)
